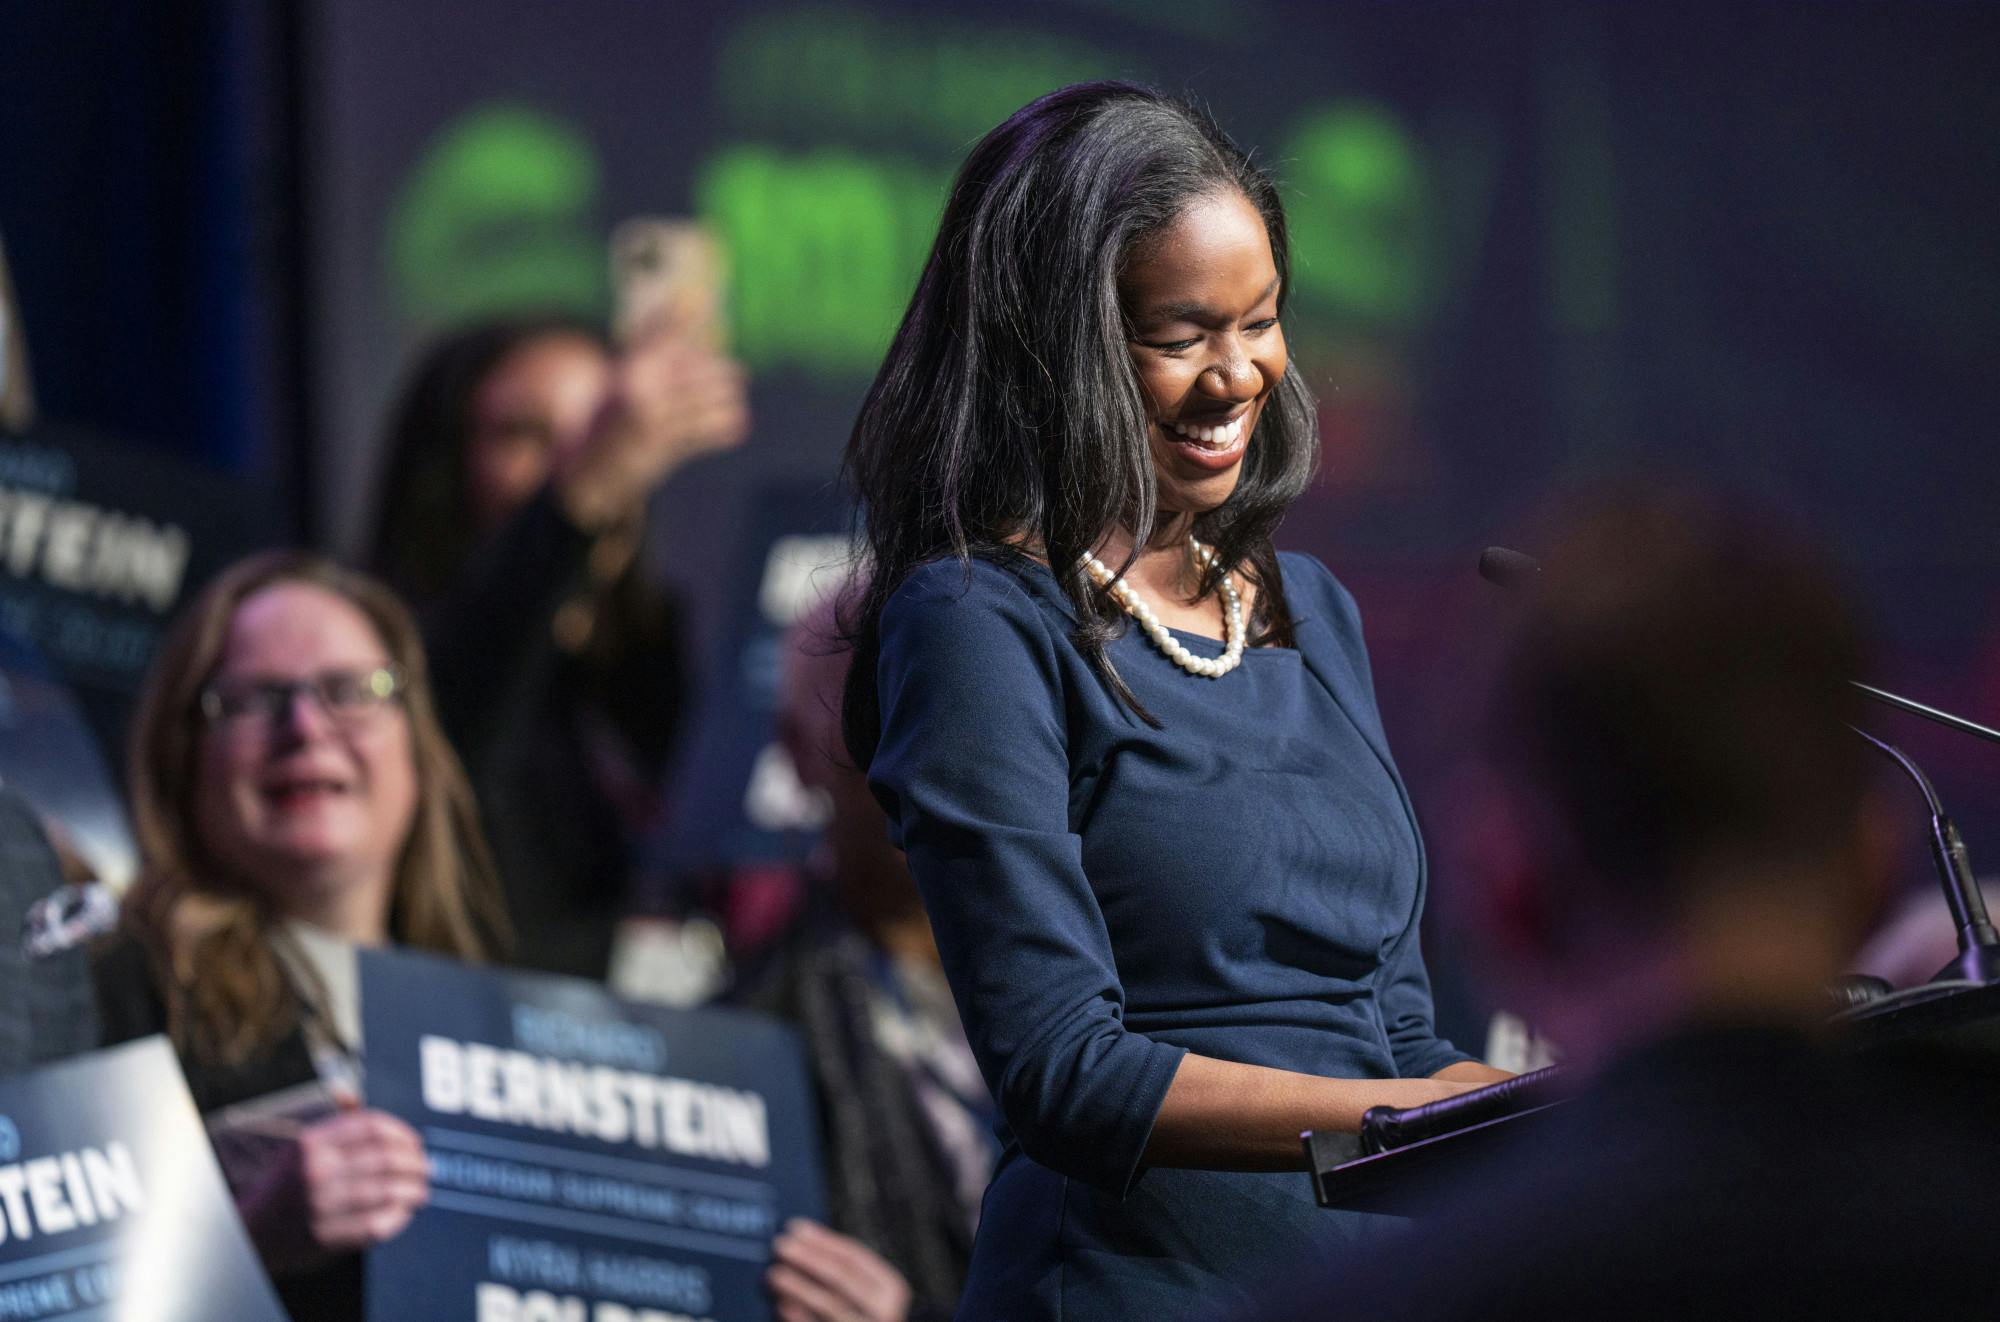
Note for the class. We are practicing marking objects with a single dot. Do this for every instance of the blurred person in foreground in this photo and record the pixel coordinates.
(1698, 851)
(520, 458)
(907, 1125)
(294, 798)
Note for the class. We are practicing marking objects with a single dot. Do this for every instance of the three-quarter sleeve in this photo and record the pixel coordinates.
(973, 768)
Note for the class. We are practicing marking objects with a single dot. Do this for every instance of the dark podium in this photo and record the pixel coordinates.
(1404, 1160)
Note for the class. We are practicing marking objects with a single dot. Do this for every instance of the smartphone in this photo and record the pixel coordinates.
(666, 272)
(17, 396)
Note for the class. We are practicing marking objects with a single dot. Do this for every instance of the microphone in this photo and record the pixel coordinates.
(1944, 718)
(1978, 944)
(1509, 569)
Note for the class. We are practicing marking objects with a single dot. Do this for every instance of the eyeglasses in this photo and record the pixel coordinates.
(346, 697)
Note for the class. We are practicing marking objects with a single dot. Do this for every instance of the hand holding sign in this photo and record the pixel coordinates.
(355, 1181)
(364, 1175)
(823, 1276)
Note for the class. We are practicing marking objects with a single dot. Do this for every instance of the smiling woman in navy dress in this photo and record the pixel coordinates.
(1172, 870)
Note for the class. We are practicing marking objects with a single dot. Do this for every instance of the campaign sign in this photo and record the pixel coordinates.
(101, 541)
(592, 1160)
(111, 1206)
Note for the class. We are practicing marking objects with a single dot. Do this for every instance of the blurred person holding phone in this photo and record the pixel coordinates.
(520, 460)
(294, 797)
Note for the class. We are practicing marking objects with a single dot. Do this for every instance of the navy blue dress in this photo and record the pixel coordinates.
(1244, 883)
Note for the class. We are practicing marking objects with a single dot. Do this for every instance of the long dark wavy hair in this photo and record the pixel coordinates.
(1008, 410)
(426, 531)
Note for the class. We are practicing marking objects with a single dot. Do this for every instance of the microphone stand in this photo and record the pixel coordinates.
(1978, 958)
(1978, 945)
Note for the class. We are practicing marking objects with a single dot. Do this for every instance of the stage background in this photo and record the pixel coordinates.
(1750, 243)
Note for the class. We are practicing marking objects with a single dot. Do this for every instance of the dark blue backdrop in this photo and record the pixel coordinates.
(1751, 243)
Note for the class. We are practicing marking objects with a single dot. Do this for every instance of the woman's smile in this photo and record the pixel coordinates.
(1216, 445)
(1201, 298)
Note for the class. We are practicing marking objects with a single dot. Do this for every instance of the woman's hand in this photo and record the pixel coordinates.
(1225, 1115)
(670, 399)
(819, 1275)
(355, 1179)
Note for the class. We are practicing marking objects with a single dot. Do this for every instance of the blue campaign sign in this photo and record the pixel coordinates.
(592, 1160)
(111, 1206)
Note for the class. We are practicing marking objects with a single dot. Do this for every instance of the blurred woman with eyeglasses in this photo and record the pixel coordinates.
(294, 798)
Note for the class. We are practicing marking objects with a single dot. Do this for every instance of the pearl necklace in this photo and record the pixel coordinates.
(1232, 616)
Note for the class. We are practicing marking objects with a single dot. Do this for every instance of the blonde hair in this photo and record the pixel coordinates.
(210, 934)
